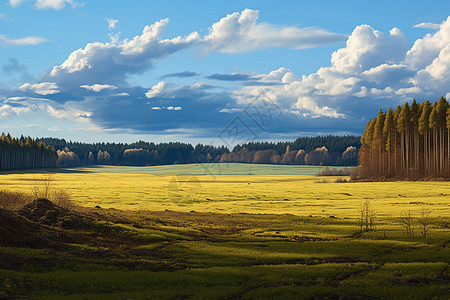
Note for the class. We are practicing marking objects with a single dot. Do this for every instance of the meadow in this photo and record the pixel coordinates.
(235, 188)
(231, 231)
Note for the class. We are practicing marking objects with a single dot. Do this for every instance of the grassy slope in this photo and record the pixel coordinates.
(223, 251)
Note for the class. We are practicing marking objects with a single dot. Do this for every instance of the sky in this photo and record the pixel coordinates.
(215, 72)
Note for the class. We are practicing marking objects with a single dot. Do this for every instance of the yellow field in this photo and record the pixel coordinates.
(302, 195)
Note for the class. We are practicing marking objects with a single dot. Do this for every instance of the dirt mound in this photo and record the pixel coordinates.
(19, 232)
(45, 212)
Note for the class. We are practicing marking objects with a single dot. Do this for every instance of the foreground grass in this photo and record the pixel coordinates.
(169, 254)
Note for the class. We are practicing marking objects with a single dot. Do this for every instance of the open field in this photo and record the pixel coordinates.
(281, 190)
(281, 235)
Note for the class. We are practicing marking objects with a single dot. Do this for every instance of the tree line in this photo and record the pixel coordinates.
(410, 142)
(319, 156)
(322, 150)
(334, 144)
(25, 153)
(140, 153)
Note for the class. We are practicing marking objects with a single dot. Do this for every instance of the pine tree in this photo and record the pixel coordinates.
(424, 130)
(379, 143)
(433, 124)
(448, 142)
(403, 124)
(389, 133)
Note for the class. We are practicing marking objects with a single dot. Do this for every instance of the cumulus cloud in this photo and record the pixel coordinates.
(156, 89)
(26, 41)
(373, 69)
(112, 62)
(7, 110)
(427, 26)
(311, 108)
(98, 87)
(43, 88)
(240, 32)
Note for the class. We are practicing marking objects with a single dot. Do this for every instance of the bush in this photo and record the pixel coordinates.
(340, 180)
(334, 172)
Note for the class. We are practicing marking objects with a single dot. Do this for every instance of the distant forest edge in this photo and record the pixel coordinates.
(25, 153)
(412, 142)
(28, 153)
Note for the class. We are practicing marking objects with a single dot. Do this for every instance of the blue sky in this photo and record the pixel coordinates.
(202, 71)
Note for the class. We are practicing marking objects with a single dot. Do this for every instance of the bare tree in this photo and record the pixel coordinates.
(367, 217)
(407, 221)
(424, 221)
(45, 189)
(42, 190)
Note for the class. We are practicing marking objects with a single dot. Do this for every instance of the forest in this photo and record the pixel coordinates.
(321, 150)
(410, 142)
(25, 153)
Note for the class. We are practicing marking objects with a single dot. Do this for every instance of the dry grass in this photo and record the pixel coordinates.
(10, 200)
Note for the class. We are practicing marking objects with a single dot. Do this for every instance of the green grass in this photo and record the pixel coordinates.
(232, 236)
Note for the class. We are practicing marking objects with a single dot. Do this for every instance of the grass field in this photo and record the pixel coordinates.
(272, 189)
(198, 232)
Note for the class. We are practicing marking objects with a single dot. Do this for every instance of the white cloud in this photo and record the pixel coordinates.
(156, 89)
(167, 108)
(427, 26)
(47, 4)
(29, 40)
(174, 108)
(98, 87)
(425, 50)
(309, 105)
(112, 23)
(239, 32)
(43, 88)
(69, 113)
(113, 61)
(367, 48)
(7, 110)
(121, 95)
(372, 69)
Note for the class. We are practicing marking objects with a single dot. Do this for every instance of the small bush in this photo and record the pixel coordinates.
(61, 198)
(340, 180)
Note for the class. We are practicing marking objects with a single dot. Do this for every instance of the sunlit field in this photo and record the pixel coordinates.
(228, 188)
(217, 232)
